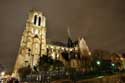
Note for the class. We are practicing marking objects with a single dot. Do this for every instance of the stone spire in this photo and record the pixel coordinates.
(70, 42)
(83, 47)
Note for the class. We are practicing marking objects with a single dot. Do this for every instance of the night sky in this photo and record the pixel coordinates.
(100, 22)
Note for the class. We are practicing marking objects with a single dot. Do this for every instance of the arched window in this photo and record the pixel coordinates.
(39, 21)
(35, 19)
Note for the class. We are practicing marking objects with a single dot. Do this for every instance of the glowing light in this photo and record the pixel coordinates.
(98, 62)
(71, 49)
(53, 55)
(2, 73)
(100, 77)
(113, 64)
(62, 48)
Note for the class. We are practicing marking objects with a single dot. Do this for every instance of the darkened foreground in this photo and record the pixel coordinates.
(116, 78)
(106, 79)
(49, 70)
(119, 78)
(76, 77)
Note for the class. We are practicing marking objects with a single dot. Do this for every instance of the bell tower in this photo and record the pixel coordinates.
(36, 24)
(33, 41)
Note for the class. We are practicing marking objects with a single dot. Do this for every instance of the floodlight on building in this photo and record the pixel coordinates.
(36, 31)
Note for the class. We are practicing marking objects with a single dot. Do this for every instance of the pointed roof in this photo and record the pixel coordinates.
(84, 47)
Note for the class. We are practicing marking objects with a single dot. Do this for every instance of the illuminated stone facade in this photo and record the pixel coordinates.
(34, 44)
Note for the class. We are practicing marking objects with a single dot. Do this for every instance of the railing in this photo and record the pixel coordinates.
(75, 77)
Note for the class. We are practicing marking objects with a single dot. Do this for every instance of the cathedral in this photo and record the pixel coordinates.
(34, 44)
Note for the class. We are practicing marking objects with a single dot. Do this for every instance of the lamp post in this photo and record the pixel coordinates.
(113, 67)
(98, 63)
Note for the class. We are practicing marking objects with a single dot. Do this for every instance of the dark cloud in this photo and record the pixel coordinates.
(101, 22)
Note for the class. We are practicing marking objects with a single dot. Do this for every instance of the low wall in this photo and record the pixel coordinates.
(105, 79)
(119, 78)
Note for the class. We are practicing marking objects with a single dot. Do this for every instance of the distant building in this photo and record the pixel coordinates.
(34, 44)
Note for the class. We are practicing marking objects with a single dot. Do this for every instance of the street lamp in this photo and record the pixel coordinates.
(2, 73)
(113, 64)
(98, 62)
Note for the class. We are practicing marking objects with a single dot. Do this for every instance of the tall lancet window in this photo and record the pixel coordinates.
(35, 19)
(39, 21)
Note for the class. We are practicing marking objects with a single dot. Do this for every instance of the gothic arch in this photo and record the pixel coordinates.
(35, 19)
(39, 21)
